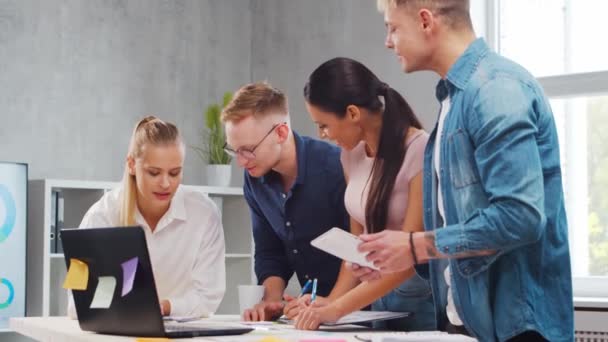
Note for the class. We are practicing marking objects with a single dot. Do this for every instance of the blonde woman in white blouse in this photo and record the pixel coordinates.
(183, 228)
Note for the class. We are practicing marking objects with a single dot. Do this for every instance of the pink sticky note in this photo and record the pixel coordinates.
(129, 268)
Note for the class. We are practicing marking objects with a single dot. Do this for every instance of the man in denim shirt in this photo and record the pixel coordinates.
(294, 187)
(496, 234)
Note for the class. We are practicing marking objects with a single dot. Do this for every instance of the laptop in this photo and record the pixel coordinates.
(138, 312)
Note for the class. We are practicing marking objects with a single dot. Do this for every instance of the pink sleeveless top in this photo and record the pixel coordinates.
(357, 166)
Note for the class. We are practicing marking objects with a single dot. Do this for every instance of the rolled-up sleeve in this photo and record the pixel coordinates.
(270, 258)
(503, 130)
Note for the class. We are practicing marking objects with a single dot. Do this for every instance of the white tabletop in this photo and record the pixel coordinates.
(64, 329)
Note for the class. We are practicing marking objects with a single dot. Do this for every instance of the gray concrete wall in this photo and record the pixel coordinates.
(75, 76)
(292, 38)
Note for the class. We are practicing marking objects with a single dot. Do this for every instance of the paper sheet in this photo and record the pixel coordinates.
(415, 336)
(359, 317)
(342, 244)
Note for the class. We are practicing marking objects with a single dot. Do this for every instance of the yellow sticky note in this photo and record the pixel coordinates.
(152, 339)
(78, 275)
(272, 339)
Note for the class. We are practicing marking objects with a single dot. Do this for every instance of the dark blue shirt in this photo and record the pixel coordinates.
(284, 223)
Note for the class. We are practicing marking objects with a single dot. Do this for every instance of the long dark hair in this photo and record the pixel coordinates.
(341, 82)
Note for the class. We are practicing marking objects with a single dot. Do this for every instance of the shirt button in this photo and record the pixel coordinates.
(288, 223)
(283, 195)
(295, 251)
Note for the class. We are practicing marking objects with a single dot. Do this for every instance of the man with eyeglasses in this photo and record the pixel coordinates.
(294, 186)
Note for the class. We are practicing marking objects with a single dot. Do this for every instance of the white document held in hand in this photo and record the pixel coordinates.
(343, 245)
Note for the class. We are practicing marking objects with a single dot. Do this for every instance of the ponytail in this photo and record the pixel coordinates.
(397, 119)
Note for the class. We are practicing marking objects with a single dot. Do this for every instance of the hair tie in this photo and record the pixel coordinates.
(383, 90)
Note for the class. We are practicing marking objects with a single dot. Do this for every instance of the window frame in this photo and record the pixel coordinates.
(587, 290)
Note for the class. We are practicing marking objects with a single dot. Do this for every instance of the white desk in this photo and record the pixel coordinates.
(63, 329)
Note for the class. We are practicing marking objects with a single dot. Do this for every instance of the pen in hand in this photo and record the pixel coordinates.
(313, 295)
(305, 288)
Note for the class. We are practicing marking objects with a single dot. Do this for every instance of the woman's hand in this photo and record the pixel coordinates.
(165, 307)
(316, 314)
(296, 305)
(363, 273)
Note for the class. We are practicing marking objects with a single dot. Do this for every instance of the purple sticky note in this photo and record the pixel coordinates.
(129, 268)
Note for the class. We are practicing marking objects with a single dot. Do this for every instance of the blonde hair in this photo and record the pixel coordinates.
(257, 99)
(149, 130)
(455, 12)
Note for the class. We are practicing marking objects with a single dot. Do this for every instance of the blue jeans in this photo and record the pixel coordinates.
(413, 295)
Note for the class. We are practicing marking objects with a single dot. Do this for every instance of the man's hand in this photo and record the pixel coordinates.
(389, 250)
(264, 311)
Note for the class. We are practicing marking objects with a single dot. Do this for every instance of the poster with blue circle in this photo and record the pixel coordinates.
(13, 213)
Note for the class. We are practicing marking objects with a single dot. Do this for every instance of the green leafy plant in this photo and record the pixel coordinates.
(213, 136)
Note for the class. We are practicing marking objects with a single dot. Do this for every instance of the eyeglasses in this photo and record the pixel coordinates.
(249, 153)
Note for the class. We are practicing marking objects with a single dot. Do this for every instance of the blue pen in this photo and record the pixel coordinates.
(313, 296)
(305, 288)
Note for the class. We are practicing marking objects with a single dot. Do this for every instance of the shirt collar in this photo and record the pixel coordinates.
(177, 211)
(460, 73)
(301, 157)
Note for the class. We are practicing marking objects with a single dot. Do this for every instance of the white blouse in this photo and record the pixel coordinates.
(186, 250)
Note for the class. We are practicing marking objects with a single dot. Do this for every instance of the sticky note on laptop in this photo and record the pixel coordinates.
(77, 277)
(104, 293)
(342, 244)
(129, 269)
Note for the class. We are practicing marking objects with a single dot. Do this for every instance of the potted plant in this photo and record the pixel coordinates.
(212, 147)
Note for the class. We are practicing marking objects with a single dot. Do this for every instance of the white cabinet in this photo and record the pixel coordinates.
(46, 269)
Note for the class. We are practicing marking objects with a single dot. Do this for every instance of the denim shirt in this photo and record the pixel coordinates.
(502, 191)
(284, 222)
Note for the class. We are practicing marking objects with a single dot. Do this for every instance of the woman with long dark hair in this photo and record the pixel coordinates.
(382, 156)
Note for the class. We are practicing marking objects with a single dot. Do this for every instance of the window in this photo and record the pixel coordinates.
(553, 37)
(582, 123)
(559, 42)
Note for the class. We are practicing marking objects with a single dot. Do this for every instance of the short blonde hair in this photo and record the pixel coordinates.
(257, 99)
(455, 12)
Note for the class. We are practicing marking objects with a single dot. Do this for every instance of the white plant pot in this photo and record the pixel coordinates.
(219, 174)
